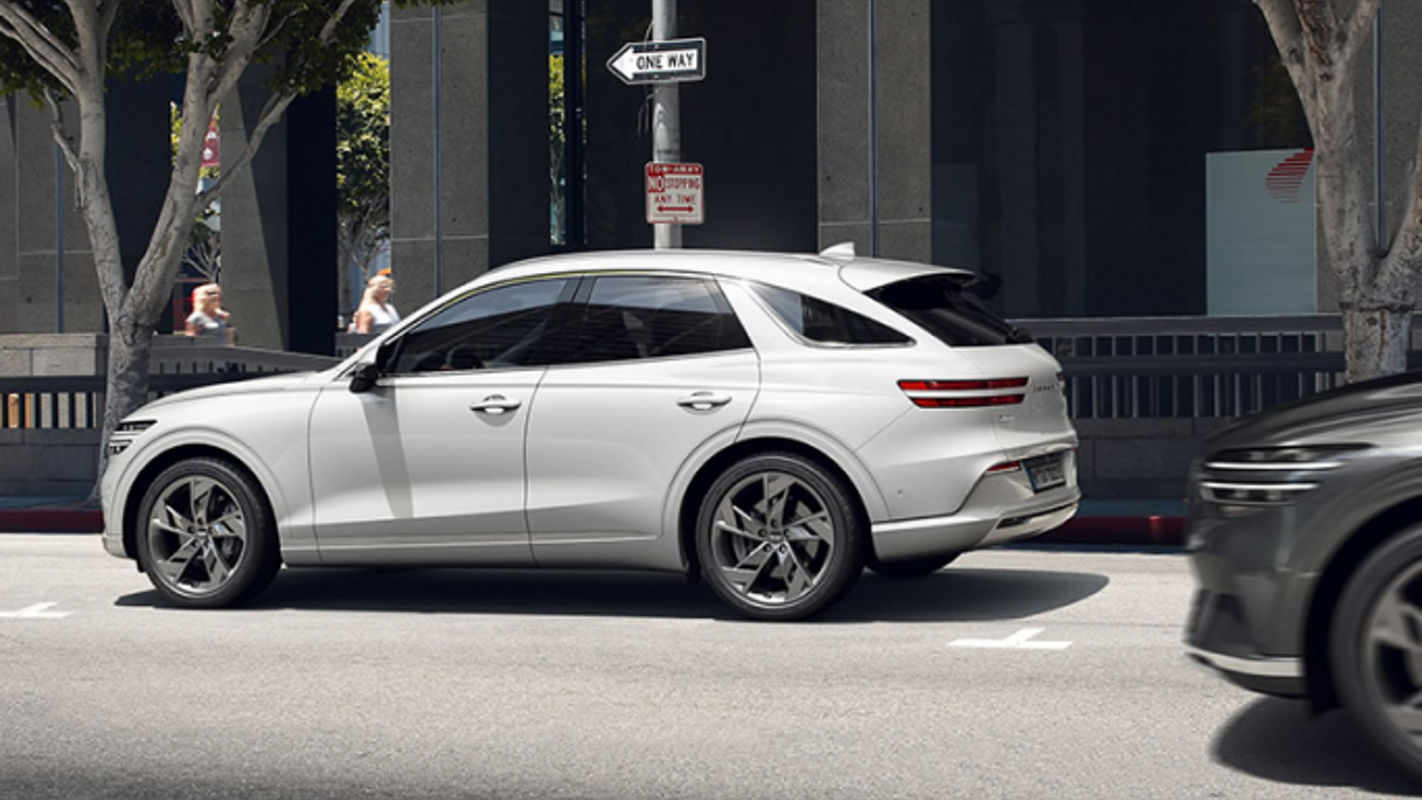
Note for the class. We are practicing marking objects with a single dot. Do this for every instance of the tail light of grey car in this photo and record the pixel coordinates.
(1246, 479)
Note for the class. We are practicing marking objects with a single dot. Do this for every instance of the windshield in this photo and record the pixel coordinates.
(939, 304)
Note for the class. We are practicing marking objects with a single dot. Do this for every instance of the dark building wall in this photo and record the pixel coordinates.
(1070, 138)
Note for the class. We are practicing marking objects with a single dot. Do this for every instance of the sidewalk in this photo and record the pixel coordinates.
(1099, 522)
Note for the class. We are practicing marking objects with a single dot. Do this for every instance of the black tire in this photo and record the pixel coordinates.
(784, 565)
(1371, 671)
(213, 544)
(912, 568)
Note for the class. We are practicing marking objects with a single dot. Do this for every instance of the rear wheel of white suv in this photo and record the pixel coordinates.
(778, 537)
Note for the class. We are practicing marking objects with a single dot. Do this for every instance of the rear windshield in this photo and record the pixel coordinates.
(940, 305)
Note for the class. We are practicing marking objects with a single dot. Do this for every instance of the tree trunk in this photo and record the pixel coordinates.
(1376, 341)
(126, 386)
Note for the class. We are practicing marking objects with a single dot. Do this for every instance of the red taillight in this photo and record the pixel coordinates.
(968, 401)
(962, 386)
(1006, 466)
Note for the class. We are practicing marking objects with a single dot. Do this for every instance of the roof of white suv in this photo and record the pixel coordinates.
(860, 273)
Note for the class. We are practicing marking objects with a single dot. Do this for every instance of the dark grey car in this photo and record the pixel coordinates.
(1305, 539)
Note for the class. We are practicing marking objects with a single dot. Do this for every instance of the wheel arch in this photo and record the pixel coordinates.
(1344, 561)
(696, 490)
(150, 471)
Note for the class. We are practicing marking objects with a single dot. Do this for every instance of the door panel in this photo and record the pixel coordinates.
(606, 440)
(410, 472)
(650, 368)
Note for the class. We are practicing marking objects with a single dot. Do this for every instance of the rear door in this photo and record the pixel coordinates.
(651, 367)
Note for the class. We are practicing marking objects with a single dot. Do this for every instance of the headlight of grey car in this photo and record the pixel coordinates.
(1270, 475)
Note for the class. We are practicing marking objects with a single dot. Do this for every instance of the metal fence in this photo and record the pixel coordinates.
(176, 363)
(1194, 367)
(1116, 368)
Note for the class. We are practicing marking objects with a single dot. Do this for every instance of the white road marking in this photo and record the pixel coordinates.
(36, 611)
(1017, 641)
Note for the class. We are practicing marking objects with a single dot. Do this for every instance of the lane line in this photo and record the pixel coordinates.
(36, 611)
(1017, 641)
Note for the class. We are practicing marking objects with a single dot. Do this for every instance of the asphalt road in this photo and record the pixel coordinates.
(441, 684)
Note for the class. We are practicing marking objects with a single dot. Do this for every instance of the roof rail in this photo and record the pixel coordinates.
(843, 251)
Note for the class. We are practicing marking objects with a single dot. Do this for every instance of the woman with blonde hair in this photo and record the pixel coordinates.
(376, 313)
(208, 319)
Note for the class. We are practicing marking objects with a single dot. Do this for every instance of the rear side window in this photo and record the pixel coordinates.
(826, 323)
(938, 304)
(652, 316)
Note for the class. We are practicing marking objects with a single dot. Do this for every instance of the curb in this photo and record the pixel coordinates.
(51, 520)
(1153, 529)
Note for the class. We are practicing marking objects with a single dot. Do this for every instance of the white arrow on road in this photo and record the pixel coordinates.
(36, 611)
(1017, 641)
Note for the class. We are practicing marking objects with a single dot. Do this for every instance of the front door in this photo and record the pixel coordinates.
(428, 466)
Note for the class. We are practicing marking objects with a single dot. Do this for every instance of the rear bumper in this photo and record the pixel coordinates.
(980, 523)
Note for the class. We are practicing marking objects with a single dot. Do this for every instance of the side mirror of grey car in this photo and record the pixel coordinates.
(364, 378)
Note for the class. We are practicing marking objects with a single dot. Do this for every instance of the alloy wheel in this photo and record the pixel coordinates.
(1392, 655)
(197, 536)
(772, 538)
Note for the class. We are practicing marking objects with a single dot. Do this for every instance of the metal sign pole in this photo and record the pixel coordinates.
(666, 118)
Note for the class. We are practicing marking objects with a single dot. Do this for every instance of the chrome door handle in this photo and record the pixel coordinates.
(495, 404)
(703, 400)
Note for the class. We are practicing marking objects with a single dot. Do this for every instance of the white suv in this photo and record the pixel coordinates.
(771, 422)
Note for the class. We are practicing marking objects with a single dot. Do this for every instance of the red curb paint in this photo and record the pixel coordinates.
(42, 520)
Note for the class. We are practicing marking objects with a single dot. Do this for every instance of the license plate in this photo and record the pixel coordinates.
(1045, 473)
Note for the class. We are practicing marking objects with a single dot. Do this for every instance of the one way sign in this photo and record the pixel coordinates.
(673, 60)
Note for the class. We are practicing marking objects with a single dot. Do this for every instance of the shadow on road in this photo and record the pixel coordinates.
(949, 595)
(1277, 740)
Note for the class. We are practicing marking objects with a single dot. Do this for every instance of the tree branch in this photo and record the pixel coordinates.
(1355, 28)
(1288, 35)
(56, 125)
(1319, 22)
(1404, 257)
(270, 113)
(40, 44)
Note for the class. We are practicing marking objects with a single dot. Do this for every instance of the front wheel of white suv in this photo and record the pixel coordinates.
(778, 537)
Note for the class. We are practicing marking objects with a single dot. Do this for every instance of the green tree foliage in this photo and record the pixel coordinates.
(363, 167)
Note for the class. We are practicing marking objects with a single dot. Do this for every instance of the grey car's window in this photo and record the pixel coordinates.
(826, 323)
(649, 316)
(510, 326)
(939, 304)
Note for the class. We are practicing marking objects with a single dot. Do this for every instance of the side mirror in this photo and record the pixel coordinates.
(364, 378)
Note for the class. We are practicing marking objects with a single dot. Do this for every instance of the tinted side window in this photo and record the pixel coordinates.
(939, 304)
(510, 326)
(824, 322)
(648, 316)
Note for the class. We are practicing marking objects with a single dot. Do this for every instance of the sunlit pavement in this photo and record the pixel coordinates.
(1043, 672)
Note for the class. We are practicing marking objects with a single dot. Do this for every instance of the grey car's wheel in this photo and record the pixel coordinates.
(778, 537)
(912, 568)
(1375, 648)
(205, 538)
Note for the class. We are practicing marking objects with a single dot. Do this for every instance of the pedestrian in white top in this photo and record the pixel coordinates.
(376, 313)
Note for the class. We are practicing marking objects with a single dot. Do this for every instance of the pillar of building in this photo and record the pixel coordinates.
(898, 118)
(468, 141)
(279, 222)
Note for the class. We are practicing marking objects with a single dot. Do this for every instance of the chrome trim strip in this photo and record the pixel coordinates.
(1259, 667)
(1259, 487)
(1276, 467)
